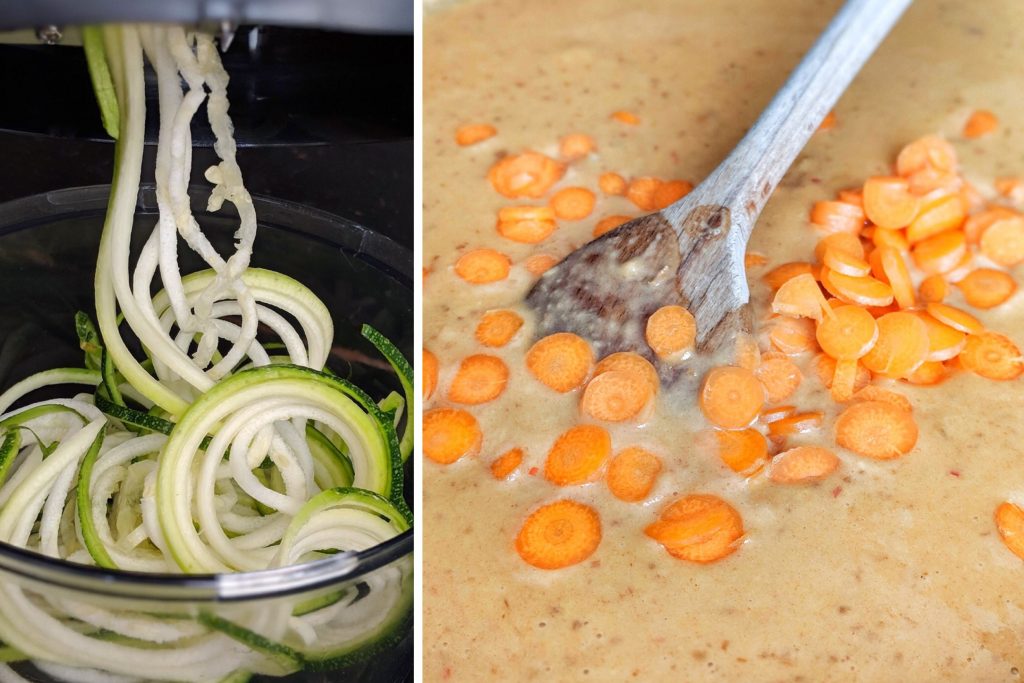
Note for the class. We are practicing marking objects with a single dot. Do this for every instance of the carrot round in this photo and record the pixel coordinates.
(576, 146)
(980, 122)
(845, 242)
(538, 264)
(798, 423)
(944, 342)
(928, 373)
(779, 275)
(559, 535)
(1010, 525)
(612, 183)
(698, 528)
(629, 118)
(609, 223)
(902, 345)
(615, 396)
(800, 296)
(955, 318)
(863, 291)
(976, 225)
(497, 328)
(890, 238)
(507, 463)
(473, 133)
(833, 217)
(430, 371)
(780, 377)
(888, 202)
(940, 253)
(993, 356)
(987, 287)
(825, 368)
(669, 192)
(744, 451)
(450, 434)
(897, 275)
(844, 380)
(939, 215)
(875, 393)
(1003, 241)
(573, 203)
(929, 152)
(933, 289)
(849, 333)
(577, 455)
(802, 465)
(641, 192)
(483, 266)
(530, 174)
(731, 397)
(792, 335)
(526, 224)
(633, 364)
(561, 361)
(845, 263)
(775, 413)
(876, 429)
(632, 474)
(670, 331)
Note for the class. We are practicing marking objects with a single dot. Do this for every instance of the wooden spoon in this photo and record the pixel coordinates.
(691, 253)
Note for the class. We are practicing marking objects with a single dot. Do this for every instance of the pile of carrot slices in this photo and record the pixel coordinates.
(883, 300)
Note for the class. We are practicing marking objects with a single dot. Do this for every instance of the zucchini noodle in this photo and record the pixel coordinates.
(219, 450)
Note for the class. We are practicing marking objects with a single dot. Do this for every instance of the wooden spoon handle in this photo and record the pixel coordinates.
(746, 179)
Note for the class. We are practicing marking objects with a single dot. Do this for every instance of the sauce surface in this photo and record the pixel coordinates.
(887, 571)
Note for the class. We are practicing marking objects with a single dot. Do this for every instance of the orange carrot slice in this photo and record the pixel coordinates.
(609, 223)
(479, 379)
(632, 474)
(940, 253)
(930, 151)
(641, 192)
(769, 415)
(698, 528)
(837, 217)
(803, 465)
(538, 264)
(987, 287)
(779, 275)
(992, 355)
(939, 215)
(559, 535)
(632, 364)
(450, 434)
(876, 429)
(507, 463)
(874, 393)
(744, 451)
(612, 183)
(848, 333)
(798, 423)
(731, 397)
(800, 297)
(888, 202)
(825, 368)
(615, 396)
(928, 373)
(902, 345)
(944, 342)
(853, 196)
(628, 118)
(955, 318)
(847, 264)
(530, 174)
(497, 328)
(1010, 525)
(526, 224)
(430, 371)
(845, 242)
(933, 289)
(560, 361)
(473, 133)
(844, 380)
(483, 266)
(864, 291)
(829, 122)
(576, 146)
(577, 455)
(890, 238)
(1003, 241)
(897, 275)
(670, 192)
(976, 225)
(670, 332)
(792, 335)
(754, 259)
(573, 203)
(980, 122)
(780, 377)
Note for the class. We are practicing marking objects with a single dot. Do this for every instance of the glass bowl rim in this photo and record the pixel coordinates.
(376, 249)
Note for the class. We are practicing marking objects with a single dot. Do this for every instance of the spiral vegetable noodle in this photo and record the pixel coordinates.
(217, 451)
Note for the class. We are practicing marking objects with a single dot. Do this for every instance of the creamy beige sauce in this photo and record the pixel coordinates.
(885, 571)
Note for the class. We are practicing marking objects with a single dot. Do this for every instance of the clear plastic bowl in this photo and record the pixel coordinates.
(48, 249)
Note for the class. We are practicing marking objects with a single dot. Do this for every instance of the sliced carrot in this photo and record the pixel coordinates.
(632, 474)
(976, 225)
(479, 379)
(955, 318)
(1011, 188)
(744, 451)
(874, 393)
(779, 275)
(876, 429)
(754, 259)
(987, 287)
(833, 216)
(780, 377)
(933, 289)
(897, 275)
(573, 203)
(561, 361)
(888, 202)
(792, 335)
(846, 264)
(483, 266)
(731, 397)
(577, 455)
(829, 122)
(612, 183)
(576, 146)
(609, 223)
(538, 264)
(993, 356)
(641, 192)
(615, 396)
(633, 364)
(1003, 241)
(902, 345)
(845, 242)
(1010, 525)
(670, 332)
(825, 368)
(803, 465)
(930, 151)
(944, 342)
(940, 253)
(890, 238)
(626, 117)
(507, 463)
(670, 192)
(980, 122)
(698, 528)
(939, 215)
(497, 328)
(848, 334)
(430, 371)
(769, 415)
(450, 434)
(844, 380)
(928, 373)
(863, 291)
(928, 180)
(530, 174)
(473, 133)
(559, 535)
(526, 224)
(798, 423)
